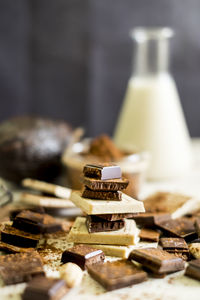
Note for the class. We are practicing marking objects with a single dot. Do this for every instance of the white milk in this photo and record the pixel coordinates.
(152, 119)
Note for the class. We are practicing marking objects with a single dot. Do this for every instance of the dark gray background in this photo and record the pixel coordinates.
(71, 59)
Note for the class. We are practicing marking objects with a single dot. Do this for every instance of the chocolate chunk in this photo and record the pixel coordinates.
(117, 274)
(181, 227)
(103, 171)
(13, 249)
(150, 219)
(105, 185)
(16, 237)
(45, 288)
(149, 235)
(96, 224)
(174, 244)
(178, 246)
(157, 260)
(116, 217)
(101, 195)
(83, 256)
(15, 212)
(20, 267)
(36, 223)
(193, 269)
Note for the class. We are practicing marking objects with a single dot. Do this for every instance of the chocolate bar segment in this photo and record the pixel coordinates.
(150, 219)
(106, 185)
(96, 224)
(20, 267)
(103, 171)
(15, 212)
(116, 217)
(16, 237)
(117, 274)
(149, 235)
(45, 288)
(83, 256)
(182, 227)
(101, 195)
(13, 249)
(193, 269)
(36, 223)
(157, 260)
(173, 244)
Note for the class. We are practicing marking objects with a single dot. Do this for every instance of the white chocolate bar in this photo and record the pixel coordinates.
(45, 201)
(57, 190)
(96, 207)
(128, 235)
(122, 251)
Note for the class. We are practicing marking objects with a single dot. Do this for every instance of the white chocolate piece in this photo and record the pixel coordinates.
(72, 274)
(45, 201)
(122, 251)
(190, 206)
(96, 207)
(128, 235)
(57, 190)
(194, 249)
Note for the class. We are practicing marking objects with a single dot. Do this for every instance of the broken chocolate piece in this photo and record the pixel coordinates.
(101, 195)
(45, 288)
(150, 219)
(181, 227)
(106, 185)
(117, 274)
(83, 256)
(193, 269)
(173, 244)
(20, 267)
(103, 171)
(13, 249)
(16, 237)
(149, 235)
(157, 260)
(15, 212)
(36, 223)
(96, 224)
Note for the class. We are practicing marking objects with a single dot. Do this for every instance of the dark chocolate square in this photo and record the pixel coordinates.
(96, 224)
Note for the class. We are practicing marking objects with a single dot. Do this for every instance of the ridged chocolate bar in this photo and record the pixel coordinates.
(83, 256)
(96, 224)
(102, 171)
(101, 195)
(106, 185)
(117, 274)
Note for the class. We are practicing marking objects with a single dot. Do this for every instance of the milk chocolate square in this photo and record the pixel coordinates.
(117, 274)
(96, 224)
(193, 269)
(157, 260)
(101, 195)
(20, 267)
(83, 256)
(102, 171)
(45, 288)
(149, 235)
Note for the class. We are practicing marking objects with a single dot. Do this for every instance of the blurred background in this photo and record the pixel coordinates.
(71, 59)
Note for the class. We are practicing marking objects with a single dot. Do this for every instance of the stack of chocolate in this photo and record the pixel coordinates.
(106, 225)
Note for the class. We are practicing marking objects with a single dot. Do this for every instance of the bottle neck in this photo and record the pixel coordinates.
(151, 55)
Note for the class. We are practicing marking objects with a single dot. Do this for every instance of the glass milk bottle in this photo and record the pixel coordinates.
(151, 117)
